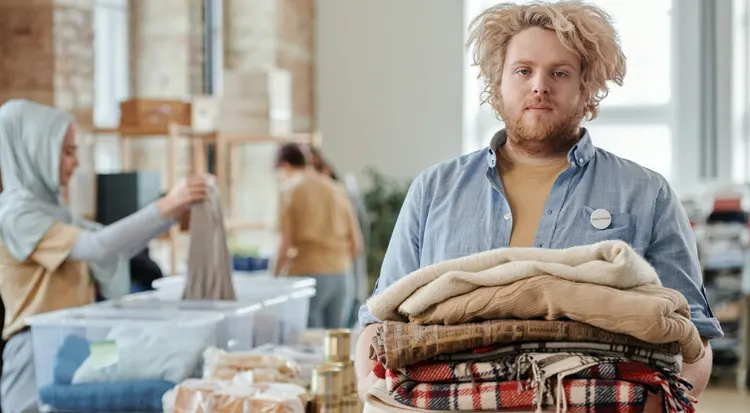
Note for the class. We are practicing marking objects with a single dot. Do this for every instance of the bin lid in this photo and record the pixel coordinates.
(94, 315)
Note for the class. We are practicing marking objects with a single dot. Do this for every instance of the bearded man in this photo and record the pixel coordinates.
(546, 67)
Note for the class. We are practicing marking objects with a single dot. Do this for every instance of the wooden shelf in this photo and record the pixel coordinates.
(223, 141)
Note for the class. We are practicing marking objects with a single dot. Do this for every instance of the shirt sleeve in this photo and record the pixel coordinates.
(55, 246)
(673, 252)
(402, 256)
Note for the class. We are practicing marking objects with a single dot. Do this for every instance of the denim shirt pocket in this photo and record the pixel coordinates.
(622, 227)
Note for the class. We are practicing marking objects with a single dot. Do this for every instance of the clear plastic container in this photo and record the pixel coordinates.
(248, 286)
(285, 304)
(236, 332)
(283, 319)
(144, 330)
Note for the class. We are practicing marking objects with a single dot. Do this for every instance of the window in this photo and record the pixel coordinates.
(629, 140)
(741, 92)
(111, 61)
(111, 76)
(633, 117)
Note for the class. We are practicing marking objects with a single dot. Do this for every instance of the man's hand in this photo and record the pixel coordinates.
(364, 385)
(654, 403)
(362, 363)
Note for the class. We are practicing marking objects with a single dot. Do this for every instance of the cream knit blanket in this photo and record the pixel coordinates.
(610, 263)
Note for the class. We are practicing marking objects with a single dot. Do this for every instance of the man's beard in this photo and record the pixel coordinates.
(545, 136)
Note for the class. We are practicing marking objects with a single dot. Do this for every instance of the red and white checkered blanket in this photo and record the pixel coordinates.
(606, 387)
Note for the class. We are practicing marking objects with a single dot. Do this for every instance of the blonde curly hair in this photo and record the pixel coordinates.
(585, 29)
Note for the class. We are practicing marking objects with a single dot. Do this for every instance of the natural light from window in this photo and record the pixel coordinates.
(635, 120)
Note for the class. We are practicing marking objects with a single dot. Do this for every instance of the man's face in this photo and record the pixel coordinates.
(541, 88)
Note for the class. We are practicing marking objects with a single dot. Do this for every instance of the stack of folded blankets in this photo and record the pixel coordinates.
(582, 329)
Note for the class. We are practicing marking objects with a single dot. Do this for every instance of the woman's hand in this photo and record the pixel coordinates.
(186, 192)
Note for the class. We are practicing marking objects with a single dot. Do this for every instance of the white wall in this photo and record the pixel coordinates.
(389, 85)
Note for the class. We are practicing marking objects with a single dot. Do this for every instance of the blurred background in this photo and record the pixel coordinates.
(383, 88)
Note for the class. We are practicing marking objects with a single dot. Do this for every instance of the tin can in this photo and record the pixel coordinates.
(316, 406)
(359, 406)
(348, 378)
(337, 345)
(326, 388)
(350, 404)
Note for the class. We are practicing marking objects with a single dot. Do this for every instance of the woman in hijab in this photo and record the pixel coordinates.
(49, 259)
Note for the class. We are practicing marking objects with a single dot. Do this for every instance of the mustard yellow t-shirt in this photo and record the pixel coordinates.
(527, 188)
(46, 281)
(321, 222)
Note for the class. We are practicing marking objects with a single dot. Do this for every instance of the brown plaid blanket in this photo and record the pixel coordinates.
(398, 344)
(604, 386)
(660, 360)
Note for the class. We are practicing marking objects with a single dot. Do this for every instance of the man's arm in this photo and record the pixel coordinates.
(401, 258)
(673, 253)
(699, 372)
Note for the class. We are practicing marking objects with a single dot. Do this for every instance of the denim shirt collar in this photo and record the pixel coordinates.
(580, 154)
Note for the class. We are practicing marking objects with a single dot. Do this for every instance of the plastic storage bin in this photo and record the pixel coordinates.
(283, 319)
(157, 339)
(236, 332)
(248, 286)
(285, 303)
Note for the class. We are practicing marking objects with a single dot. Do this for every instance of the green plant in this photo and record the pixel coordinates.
(383, 200)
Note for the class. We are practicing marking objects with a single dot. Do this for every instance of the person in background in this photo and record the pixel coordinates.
(319, 226)
(359, 267)
(50, 259)
(546, 68)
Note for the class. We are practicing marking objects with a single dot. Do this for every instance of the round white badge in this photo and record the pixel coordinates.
(600, 219)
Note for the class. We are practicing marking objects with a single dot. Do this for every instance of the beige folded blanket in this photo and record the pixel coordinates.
(650, 313)
(611, 263)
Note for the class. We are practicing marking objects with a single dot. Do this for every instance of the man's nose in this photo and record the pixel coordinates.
(541, 84)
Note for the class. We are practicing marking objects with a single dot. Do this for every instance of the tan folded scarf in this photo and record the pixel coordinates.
(610, 263)
(650, 313)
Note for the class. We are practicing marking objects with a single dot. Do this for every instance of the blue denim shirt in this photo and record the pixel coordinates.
(458, 207)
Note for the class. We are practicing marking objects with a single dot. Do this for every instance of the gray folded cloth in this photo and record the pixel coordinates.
(209, 263)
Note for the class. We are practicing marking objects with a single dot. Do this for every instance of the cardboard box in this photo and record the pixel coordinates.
(152, 112)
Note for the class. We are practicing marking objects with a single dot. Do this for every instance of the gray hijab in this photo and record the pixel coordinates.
(31, 139)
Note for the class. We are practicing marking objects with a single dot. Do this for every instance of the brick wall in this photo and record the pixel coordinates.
(265, 34)
(295, 34)
(162, 67)
(47, 53)
(26, 45)
(275, 33)
(73, 44)
(160, 53)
